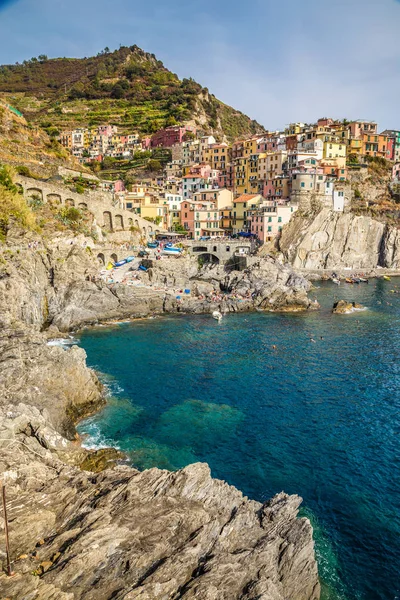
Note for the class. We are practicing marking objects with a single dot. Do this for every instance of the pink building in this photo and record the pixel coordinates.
(200, 171)
(396, 171)
(187, 217)
(166, 138)
(267, 220)
(146, 141)
(358, 128)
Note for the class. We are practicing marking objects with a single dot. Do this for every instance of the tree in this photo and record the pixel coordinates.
(154, 165)
(42, 57)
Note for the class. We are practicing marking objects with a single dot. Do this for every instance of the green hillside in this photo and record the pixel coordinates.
(128, 87)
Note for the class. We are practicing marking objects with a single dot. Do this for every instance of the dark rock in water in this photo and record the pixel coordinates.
(342, 307)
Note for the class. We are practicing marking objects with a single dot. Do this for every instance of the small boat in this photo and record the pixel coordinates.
(348, 280)
(120, 263)
(142, 268)
(386, 277)
(356, 280)
(216, 315)
(130, 259)
(172, 250)
(335, 280)
(152, 244)
(363, 280)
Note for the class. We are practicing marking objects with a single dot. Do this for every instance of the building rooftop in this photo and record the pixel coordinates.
(246, 197)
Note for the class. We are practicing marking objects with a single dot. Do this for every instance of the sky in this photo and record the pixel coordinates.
(277, 61)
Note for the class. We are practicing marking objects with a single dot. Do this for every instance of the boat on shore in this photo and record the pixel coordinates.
(120, 263)
(216, 315)
(386, 277)
(172, 251)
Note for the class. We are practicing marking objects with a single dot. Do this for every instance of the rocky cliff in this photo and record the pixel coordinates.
(53, 286)
(330, 240)
(124, 534)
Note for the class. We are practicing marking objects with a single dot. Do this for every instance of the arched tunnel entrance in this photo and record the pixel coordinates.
(208, 258)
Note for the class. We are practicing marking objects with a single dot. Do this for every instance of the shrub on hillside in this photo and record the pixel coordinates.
(13, 207)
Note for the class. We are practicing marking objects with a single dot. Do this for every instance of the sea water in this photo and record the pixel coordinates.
(316, 416)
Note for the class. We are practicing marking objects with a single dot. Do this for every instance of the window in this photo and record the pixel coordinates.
(269, 228)
(185, 215)
(279, 219)
(269, 219)
(302, 184)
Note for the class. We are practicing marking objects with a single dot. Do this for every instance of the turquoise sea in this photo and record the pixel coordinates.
(317, 418)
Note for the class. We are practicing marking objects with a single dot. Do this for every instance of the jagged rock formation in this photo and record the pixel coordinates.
(329, 240)
(152, 535)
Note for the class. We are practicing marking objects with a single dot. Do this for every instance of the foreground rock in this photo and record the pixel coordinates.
(342, 307)
(148, 535)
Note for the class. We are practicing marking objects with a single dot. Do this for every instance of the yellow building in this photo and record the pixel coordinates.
(241, 207)
(355, 147)
(335, 149)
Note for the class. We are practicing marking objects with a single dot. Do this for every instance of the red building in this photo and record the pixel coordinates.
(166, 138)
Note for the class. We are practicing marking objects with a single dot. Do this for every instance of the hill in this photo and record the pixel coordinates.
(128, 87)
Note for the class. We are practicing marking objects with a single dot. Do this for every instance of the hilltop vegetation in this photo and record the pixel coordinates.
(127, 87)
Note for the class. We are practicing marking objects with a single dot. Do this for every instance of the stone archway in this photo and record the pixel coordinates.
(69, 202)
(83, 205)
(107, 220)
(101, 258)
(114, 257)
(130, 223)
(137, 223)
(209, 258)
(30, 192)
(119, 222)
(54, 199)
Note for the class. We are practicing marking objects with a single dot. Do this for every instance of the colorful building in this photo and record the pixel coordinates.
(267, 220)
(241, 207)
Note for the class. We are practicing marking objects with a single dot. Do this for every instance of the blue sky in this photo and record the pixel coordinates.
(278, 62)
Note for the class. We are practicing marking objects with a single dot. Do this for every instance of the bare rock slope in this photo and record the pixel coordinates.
(329, 240)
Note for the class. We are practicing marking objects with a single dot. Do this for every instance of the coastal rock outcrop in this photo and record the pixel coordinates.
(330, 240)
(57, 285)
(150, 535)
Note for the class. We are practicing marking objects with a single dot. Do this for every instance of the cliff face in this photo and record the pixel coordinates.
(330, 240)
(50, 286)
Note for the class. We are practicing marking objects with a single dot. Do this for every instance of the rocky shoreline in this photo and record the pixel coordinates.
(80, 532)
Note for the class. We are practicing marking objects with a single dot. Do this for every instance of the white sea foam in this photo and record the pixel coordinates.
(62, 342)
(93, 439)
